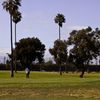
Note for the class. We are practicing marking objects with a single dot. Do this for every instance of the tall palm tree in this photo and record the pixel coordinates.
(59, 19)
(11, 6)
(17, 15)
(16, 18)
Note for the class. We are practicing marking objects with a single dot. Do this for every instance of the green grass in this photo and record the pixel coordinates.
(49, 86)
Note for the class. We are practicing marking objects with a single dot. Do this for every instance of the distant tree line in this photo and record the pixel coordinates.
(52, 68)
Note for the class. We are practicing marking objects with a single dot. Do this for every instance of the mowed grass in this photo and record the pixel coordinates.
(49, 86)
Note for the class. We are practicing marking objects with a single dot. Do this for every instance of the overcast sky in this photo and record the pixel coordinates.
(38, 20)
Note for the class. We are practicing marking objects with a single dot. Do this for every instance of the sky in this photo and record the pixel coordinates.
(38, 20)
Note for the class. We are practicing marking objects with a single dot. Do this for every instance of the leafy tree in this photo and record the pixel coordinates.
(59, 19)
(59, 51)
(85, 47)
(29, 50)
(11, 6)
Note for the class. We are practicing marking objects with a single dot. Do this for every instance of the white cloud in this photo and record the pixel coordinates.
(77, 27)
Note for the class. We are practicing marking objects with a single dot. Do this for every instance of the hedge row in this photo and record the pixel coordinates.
(52, 67)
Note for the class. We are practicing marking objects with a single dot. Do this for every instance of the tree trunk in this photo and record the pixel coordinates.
(15, 49)
(12, 73)
(66, 69)
(83, 71)
(60, 69)
(59, 34)
(60, 64)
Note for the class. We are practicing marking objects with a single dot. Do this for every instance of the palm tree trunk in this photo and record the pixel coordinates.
(15, 34)
(15, 49)
(99, 60)
(12, 74)
(59, 33)
(60, 68)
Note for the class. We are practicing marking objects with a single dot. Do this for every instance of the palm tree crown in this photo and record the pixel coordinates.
(17, 17)
(10, 6)
(60, 19)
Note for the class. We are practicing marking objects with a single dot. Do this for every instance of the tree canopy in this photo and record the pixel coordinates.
(59, 51)
(28, 50)
(85, 46)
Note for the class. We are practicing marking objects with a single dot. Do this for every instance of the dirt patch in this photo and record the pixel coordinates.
(84, 93)
(15, 91)
(91, 93)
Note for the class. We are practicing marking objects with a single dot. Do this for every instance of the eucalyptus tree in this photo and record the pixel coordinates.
(29, 50)
(59, 52)
(85, 47)
(11, 6)
(59, 19)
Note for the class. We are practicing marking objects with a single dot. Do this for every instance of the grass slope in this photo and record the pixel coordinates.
(49, 86)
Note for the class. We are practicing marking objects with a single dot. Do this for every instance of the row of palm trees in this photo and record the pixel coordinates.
(12, 7)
